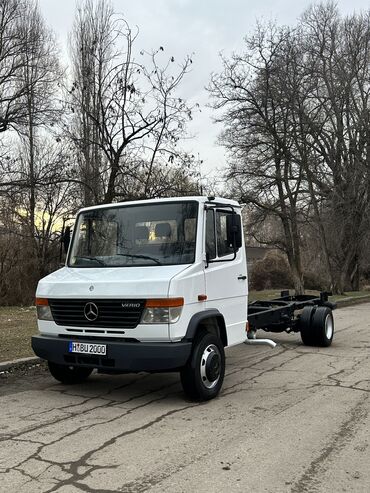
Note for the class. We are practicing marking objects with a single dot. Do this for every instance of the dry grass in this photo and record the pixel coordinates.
(269, 294)
(17, 325)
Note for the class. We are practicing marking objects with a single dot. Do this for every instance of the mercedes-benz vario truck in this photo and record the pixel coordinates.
(160, 285)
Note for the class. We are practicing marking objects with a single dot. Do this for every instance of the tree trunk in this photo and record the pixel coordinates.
(297, 274)
(111, 188)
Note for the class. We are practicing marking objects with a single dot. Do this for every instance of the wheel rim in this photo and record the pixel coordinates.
(210, 366)
(329, 329)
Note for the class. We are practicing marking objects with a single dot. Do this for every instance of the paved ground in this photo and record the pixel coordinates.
(292, 419)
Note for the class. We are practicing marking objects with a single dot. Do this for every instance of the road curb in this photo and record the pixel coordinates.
(353, 301)
(17, 363)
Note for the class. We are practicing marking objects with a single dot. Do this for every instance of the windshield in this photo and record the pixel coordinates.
(140, 235)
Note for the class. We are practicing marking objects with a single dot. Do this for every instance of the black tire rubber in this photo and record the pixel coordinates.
(312, 325)
(191, 380)
(304, 325)
(321, 317)
(69, 375)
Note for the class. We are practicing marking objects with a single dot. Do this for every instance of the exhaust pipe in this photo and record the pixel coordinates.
(260, 342)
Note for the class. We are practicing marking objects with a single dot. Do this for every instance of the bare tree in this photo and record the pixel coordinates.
(259, 139)
(12, 47)
(166, 181)
(331, 108)
(90, 46)
(39, 75)
(296, 107)
(124, 109)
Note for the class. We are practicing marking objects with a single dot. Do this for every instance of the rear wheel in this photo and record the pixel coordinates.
(69, 375)
(203, 375)
(323, 326)
(304, 325)
(317, 326)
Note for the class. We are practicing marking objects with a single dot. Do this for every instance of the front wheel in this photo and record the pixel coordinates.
(69, 375)
(203, 375)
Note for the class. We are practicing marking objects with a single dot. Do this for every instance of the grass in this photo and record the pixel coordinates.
(353, 295)
(18, 324)
(269, 294)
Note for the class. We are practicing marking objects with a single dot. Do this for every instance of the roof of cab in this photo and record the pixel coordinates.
(200, 199)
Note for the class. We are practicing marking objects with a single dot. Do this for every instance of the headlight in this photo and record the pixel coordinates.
(43, 310)
(162, 311)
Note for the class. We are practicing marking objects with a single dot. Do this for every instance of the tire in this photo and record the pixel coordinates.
(69, 375)
(203, 375)
(304, 325)
(323, 326)
(317, 326)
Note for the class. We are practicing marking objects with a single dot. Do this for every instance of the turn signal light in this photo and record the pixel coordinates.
(164, 303)
(43, 309)
(42, 302)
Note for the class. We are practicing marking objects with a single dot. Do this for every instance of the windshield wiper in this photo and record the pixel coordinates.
(140, 256)
(86, 257)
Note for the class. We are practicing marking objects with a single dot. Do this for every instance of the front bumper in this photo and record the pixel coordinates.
(121, 356)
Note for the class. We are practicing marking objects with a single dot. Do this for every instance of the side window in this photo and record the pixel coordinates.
(210, 234)
(223, 246)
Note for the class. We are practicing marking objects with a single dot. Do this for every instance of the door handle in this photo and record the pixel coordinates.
(242, 278)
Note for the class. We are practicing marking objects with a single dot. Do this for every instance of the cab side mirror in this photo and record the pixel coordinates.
(234, 230)
(66, 238)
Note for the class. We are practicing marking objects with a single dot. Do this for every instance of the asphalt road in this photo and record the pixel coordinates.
(289, 419)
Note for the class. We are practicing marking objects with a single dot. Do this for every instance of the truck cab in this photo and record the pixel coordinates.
(150, 285)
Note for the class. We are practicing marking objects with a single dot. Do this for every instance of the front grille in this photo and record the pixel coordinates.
(111, 313)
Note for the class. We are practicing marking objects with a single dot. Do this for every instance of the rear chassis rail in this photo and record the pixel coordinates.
(282, 314)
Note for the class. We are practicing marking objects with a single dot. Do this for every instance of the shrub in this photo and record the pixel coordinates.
(271, 272)
(314, 281)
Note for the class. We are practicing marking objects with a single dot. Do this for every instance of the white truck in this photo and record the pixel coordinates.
(161, 285)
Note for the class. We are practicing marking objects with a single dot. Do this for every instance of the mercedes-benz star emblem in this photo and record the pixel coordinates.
(91, 311)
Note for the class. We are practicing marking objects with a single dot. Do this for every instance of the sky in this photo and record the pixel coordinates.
(204, 28)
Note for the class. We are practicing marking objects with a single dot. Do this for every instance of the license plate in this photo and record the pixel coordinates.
(87, 348)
